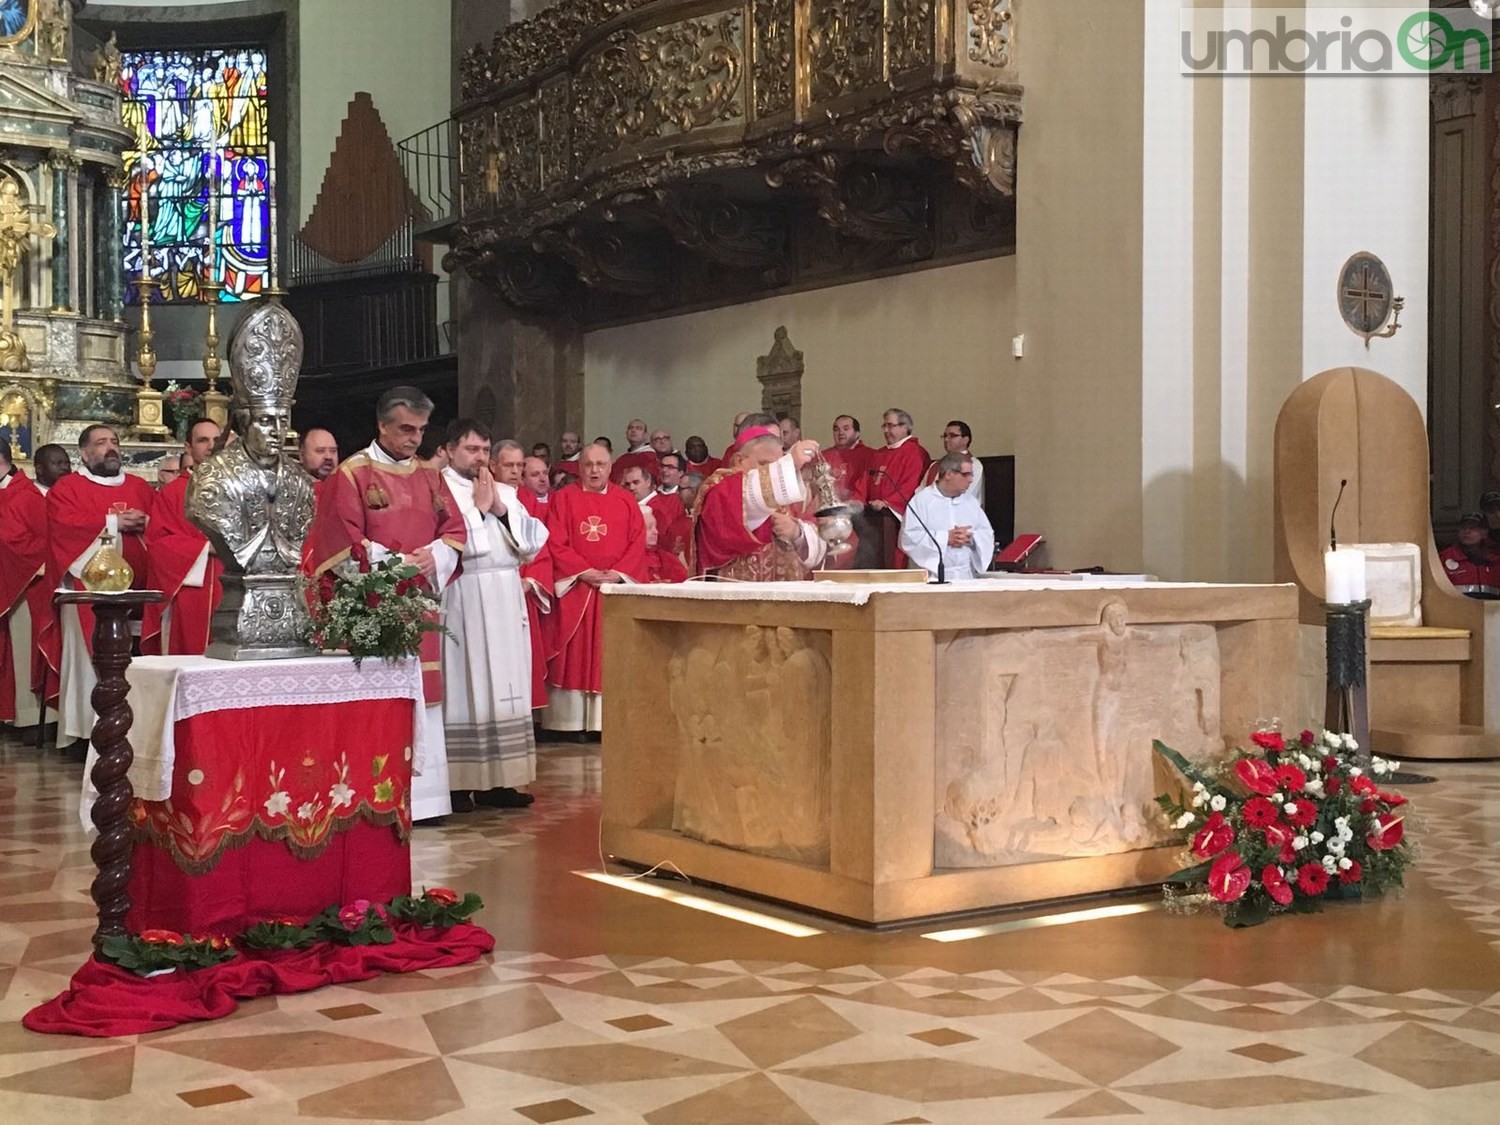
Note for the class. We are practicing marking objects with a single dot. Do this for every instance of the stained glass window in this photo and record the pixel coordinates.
(202, 152)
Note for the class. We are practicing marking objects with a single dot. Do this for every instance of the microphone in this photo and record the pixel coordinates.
(1333, 535)
(905, 499)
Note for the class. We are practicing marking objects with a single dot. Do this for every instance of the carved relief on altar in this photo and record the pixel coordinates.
(780, 373)
(1044, 737)
(752, 712)
(844, 44)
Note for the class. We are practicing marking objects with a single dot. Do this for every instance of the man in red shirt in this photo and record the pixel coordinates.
(894, 475)
(1473, 563)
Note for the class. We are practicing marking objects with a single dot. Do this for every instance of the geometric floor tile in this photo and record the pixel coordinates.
(496, 1016)
(598, 1063)
(412, 1093)
(638, 1023)
(1266, 1052)
(544, 1113)
(754, 1100)
(931, 1080)
(213, 1095)
(1102, 1046)
(97, 1077)
(942, 1036)
(348, 1011)
(1240, 1093)
(786, 1031)
(285, 1051)
(1101, 1103)
(1430, 1059)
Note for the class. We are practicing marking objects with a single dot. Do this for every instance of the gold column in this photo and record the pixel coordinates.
(215, 401)
(148, 400)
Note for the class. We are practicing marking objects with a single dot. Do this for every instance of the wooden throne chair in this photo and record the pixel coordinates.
(1432, 694)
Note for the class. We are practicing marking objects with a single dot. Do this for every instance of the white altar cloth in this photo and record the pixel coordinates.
(167, 689)
(859, 593)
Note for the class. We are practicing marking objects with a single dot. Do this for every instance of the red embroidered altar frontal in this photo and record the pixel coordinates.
(269, 791)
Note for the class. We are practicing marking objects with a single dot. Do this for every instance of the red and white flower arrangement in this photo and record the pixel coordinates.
(1284, 825)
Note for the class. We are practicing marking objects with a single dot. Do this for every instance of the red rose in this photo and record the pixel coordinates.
(1330, 763)
(1367, 806)
(1275, 883)
(161, 937)
(443, 896)
(1290, 778)
(1312, 878)
(1260, 813)
(1268, 740)
(372, 599)
(1229, 878)
(1353, 873)
(1306, 738)
(1216, 835)
(1386, 832)
(1304, 813)
(1332, 784)
(218, 941)
(1257, 775)
(1363, 786)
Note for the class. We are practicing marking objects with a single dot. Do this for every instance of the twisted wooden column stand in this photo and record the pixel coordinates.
(111, 775)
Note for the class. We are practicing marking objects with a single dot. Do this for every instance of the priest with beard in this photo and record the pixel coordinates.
(487, 653)
(754, 519)
(598, 538)
(76, 509)
(383, 503)
(183, 565)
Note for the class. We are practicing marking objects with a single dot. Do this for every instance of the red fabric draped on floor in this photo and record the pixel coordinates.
(104, 1000)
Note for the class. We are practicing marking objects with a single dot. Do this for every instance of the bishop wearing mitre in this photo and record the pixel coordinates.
(753, 521)
(598, 538)
(383, 503)
(183, 565)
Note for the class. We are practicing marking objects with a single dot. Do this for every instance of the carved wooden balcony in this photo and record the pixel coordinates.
(619, 158)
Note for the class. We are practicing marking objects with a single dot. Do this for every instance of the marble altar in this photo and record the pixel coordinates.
(886, 753)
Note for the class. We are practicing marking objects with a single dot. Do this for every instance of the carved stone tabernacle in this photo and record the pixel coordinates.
(254, 502)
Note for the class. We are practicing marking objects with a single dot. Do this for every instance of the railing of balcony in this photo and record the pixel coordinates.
(430, 160)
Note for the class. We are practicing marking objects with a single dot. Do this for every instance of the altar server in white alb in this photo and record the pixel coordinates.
(487, 657)
(954, 518)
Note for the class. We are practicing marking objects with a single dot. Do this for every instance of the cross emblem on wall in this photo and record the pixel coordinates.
(1368, 299)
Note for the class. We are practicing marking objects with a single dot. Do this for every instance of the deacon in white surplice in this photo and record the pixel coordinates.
(953, 516)
(487, 658)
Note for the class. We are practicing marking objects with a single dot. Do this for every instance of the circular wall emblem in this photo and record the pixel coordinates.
(1365, 294)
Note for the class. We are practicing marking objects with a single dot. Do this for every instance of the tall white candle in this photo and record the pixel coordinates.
(214, 184)
(145, 220)
(1344, 576)
(271, 230)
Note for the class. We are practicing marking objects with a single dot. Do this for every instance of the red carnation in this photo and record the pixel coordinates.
(1268, 740)
(1259, 812)
(1257, 775)
(1306, 738)
(1386, 833)
(1351, 874)
(1303, 813)
(372, 599)
(161, 937)
(1229, 878)
(1290, 777)
(443, 896)
(1216, 835)
(1275, 883)
(1312, 878)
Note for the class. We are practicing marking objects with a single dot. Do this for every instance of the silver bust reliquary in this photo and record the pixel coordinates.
(254, 502)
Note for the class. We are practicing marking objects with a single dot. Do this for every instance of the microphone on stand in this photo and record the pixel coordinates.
(1333, 535)
(941, 579)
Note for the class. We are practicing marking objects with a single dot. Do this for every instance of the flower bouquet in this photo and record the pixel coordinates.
(382, 610)
(439, 907)
(183, 406)
(1285, 825)
(161, 951)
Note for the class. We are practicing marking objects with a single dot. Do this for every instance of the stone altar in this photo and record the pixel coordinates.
(891, 753)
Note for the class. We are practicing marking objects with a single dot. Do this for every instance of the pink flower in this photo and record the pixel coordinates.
(353, 916)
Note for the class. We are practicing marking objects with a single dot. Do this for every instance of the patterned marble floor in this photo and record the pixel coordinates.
(601, 1005)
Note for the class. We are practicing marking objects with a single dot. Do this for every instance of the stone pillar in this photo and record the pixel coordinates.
(88, 254)
(62, 165)
(522, 376)
(111, 255)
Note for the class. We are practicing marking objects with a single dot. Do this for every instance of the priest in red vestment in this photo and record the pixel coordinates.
(24, 599)
(849, 459)
(697, 460)
(754, 519)
(638, 453)
(23, 525)
(598, 537)
(76, 509)
(894, 475)
(661, 564)
(384, 503)
(183, 565)
(536, 581)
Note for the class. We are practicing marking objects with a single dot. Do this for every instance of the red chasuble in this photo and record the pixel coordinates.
(402, 507)
(76, 508)
(541, 610)
(23, 556)
(174, 546)
(568, 467)
(589, 531)
(704, 469)
(724, 546)
(638, 459)
(663, 566)
(894, 476)
(850, 470)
